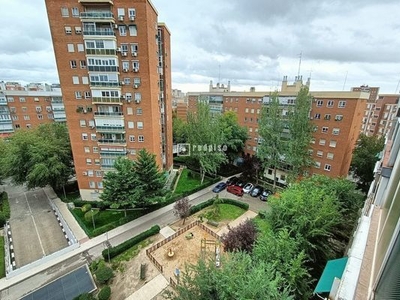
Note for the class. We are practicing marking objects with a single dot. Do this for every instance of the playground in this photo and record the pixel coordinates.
(185, 248)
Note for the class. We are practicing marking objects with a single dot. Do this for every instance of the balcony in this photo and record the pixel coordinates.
(105, 84)
(103, 100)
(103, 68)
(108, 113)
(99, 32)
(3, 101)
(101, 51)
(109, 129)
(113, 153)
(112, 141)
(97, 15)
(96, 1)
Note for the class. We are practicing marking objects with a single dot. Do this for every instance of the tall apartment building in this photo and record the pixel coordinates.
(337, 117)
(113, 60)
(22, 107)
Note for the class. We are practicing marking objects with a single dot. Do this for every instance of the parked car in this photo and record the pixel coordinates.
(232, 180)
(219, 187)
(256, 191)
(236, 190)
(247, 188)
(265, 194)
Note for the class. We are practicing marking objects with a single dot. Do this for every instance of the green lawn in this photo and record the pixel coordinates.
(227, 212)
(118, 261)
(2, 255)
(189, 182)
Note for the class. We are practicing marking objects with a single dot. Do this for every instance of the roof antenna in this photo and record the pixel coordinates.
(298, 71)
(345, 79)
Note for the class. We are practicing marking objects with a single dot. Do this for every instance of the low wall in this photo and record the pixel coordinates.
(70, 237)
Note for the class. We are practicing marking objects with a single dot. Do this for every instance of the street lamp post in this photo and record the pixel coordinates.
(108, 248)
(94, 225)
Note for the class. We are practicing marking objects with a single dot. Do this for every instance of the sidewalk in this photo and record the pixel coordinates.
(247, 215)
(150, 289)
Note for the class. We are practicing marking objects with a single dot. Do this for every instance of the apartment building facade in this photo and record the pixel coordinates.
(113, 60)
(24, 107)
(337, 117)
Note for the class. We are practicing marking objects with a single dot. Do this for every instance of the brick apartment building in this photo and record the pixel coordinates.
(27, 107)
(337, 117)
(113, 60)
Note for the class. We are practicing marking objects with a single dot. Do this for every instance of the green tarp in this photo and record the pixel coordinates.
(334, 268)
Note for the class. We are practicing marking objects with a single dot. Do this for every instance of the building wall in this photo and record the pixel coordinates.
(130, 123)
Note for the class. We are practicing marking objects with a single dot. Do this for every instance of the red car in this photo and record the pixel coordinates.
(236, 190)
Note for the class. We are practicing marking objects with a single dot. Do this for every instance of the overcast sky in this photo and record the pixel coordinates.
(249, 42)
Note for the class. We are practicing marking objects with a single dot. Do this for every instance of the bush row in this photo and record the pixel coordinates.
(209, 202)
(4, 208)
(114, 251)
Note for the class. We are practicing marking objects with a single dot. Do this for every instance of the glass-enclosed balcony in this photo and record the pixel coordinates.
(105, 129)
(112, 153)
(3, 100)
(99, 32)
(103, 68)
(112, 141)
(101, 51)
(109, 113)
(107, 100)
(96, 1)
(97, 15)
(105, 84)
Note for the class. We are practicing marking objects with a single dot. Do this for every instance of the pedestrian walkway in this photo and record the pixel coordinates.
(150, 289)
(247, 215)
(167, 231)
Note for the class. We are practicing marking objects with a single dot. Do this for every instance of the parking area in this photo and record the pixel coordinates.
(34, 227)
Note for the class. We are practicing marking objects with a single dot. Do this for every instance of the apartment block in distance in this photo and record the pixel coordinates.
(337, 116)
(113, 60)
(27, 107)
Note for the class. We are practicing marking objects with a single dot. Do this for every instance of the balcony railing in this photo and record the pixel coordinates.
(111, 141)
(103, 32)
(6, 130)
(105, 84)
(108, 113)
(106, 129)
(5, 121)
(3, 101)
(112, 154)
(96, 100)
(103, 68)
(97, 15)
(101, 51)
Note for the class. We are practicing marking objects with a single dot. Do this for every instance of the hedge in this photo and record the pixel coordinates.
(104, 228)
(114, 251)
(95, 204)
(4, 208)
(240, 204)
(104, 274)
(209, 202)
(105, 293)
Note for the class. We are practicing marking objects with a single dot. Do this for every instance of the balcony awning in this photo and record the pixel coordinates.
(334, 268)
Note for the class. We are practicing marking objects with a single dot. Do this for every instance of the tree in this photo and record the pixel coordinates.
(122, 187)
(182, 209)
(206, 139)
(151, 180)
(241, 237)
(300, 132)
(365, 155)
(39, 157)
(272, 149)
(178, 130)
(235, 136)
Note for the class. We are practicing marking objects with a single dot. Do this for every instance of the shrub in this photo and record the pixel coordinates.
(212, 223)
(2, 219)
(84, 296)
(103, 229)
(97, 204)
(262, 214)
(105, 293)
(5, 205)
(241, 237)
(114, 251)
(90, 214)
(240, 204)
(104, 274)
(86, 207)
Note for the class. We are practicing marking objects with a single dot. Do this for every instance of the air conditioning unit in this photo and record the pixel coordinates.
(92, 127)
(137, 101)
(122, 96)
(48, 109)
(124, 54)
(122, 83)
(134, 54)
(96, 191)
(135, 70)
(118, 49)
(125, 70)
(129, 100)
(135, 86)
(132, 18)
(84, 173)
(115, 26)
(85, 111)
(121, 18)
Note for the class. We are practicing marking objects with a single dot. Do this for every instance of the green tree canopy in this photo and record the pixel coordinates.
(39, 157)
(365, 155)
(179, 130)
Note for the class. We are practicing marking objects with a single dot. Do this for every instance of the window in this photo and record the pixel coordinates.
(78, 30)
(325, 129)
(327, 117)
(85, 80)
(11, 99)
(125, 65)
(100, 184)
(136, 81)
(91, 123)
(82, 64)
(75, 79)
(24, 109)
(329, 155)
(320, 103)
(84, 136)
(134, 48)
(312, 141)
(72, 64)
(68, 30)
(330, 103)
(28, 126)
(138, 97)
(36, 99)
(82, 123)
(141, 138)
(258, 111)
(21, 99)
(95, 149)
(78, 95)
(131, 125)
(327, 167)
(247, 110)
(93, 137)
(129, 111)
(139, 125)
(131, 138)
(13, 109)
(121, 12)
(317, 164)
(97, 163)
(70, 48)
(338, 117)
(40, 117)
(132, 30)
(131, 13)
(322, 142)
(332, 144)
(15, 118)
(80, 47)
(88, 161)
(320, 153)
(64, 12)
(122, 30)
(335, 131)
(17, 126)
(75, 12)
(87, 149)
(127, 80)
(342, 104)
(99, 173)
(317, 116)
(92, 184)
(27, 118)
(138, 111)
(49, 116)
(135, 65)
(88, 95)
